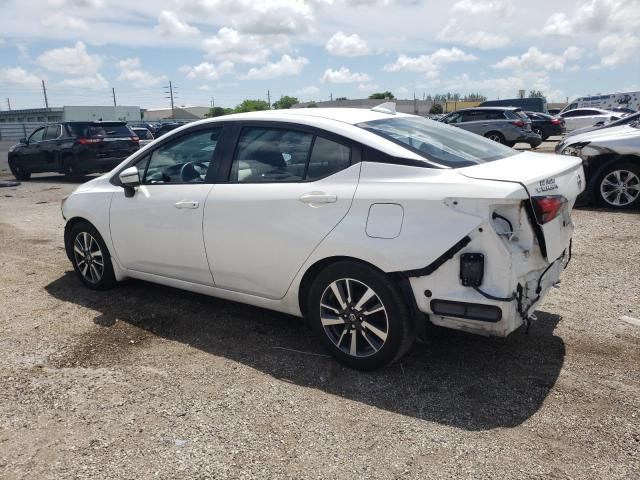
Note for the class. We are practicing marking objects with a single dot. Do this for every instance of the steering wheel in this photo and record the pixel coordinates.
(189, 171)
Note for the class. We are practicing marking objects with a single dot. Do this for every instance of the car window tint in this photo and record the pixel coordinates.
(53, 132)
(183, 160)
(270, 155)
(495, 115)
(327, 157)
(37, 136)
(474, 115)
(453, 118)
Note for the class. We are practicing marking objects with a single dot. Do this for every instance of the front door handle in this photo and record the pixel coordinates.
(187, 204)
(312, 198)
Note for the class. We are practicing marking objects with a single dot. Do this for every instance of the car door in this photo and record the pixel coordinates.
(159, 229)
(49, 147)
(32, 153)
(573, 119)
(475, 121)
(288, 187)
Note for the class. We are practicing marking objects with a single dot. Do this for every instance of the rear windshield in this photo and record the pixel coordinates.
(143, 133)
(93, 130)
(439, 143)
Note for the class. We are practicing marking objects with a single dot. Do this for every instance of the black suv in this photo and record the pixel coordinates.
(72, 148)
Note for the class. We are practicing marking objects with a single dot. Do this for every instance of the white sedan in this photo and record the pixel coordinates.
(586, 117)
(366, 222)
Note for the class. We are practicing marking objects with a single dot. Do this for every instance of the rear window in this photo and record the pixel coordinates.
(438, 143)
(93, 130)
(143, 133)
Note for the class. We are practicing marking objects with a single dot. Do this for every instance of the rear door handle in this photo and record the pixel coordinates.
(187, 204)
(318, 197)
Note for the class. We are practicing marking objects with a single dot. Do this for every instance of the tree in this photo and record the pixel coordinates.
(536, 94)
(218, 112)
(285, 102)
(312, 105)
(251, 106)
(436, 108)
(341, 98)
(474, 97)
(382, 96)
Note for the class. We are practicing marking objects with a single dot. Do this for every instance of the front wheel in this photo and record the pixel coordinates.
(619, 186)
(359, 316)
(496, 137)
(18, 171)
(90, 257)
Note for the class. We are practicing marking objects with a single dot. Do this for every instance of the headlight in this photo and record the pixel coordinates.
(13, 147)
(62, 202)
(572, 150)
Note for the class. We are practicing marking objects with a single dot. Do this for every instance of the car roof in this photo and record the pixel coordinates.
(489, 108)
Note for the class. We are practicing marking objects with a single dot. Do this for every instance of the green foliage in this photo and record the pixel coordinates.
(312, 105)
(536, 94)
(285, 102)
(341, 98)
(382, 96)
(218, 112)
(251, 106)
(436, 108)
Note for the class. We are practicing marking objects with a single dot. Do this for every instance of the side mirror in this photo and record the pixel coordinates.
(24, 141)
(130, 178)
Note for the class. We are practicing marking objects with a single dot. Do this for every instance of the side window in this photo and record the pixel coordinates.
(326, 158)
(474, 116)
(53, 132)
(183, 160)
(38, 135)
(453, 118)
(270, 155)
(495, 115)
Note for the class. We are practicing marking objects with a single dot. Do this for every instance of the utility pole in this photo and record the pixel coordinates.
(269, 99)
(9, 103)
(46, 100)
(415, 104)
(331, 96)
(170, 92)
(113, 91)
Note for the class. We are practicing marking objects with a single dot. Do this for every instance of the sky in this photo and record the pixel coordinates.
(229, 50)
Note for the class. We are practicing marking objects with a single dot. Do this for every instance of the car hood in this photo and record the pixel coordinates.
(603, 134)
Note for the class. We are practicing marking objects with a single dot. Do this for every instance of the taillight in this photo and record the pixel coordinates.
(135, 139)
(89, 141)
(555, 121)
(547, 208)
(519, 123)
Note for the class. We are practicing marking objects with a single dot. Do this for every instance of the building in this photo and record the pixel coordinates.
(416, 107)
(179, 113)
(71, 113)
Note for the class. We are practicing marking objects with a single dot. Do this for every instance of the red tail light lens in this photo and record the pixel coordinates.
(135, 139)
(555, 121)
(519, 123)
(89, 141)
(547, 208)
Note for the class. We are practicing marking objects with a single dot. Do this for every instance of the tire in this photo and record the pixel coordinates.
(18, 171)
(618, 187)
(382, 336)
(510, 144)
(71, 170)
(495, 136)
(540, 132)
(84, 239)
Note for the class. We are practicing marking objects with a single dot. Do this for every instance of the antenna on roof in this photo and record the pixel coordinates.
(386, 107)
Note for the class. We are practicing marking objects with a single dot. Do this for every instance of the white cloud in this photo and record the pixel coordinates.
(344, 75)
(77, 3)
(285, 66)
(368, 87)
(347, 45)
(130, 71)
(208, 70)
(618, 49)
(65, 22)
(453, 33)
(229, 44)
(500, 7)
(308, 90)
(70, 60)
(170, 25)
(429, 64)
(94, 82)
(2, 42)
(534, 59)
(18, 76)
(595, 16)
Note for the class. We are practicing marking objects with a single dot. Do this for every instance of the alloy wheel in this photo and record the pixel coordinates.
(88, 256)
(354, 317)
(620, 188)
(495, 137)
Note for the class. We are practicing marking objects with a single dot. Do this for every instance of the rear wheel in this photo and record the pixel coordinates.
(359, 315)
(19, 171)
(90, 257)
(496, 137)
(540, 132)
(619, 186)
(71, 169)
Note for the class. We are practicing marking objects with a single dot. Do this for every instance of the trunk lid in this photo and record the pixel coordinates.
(541, 175)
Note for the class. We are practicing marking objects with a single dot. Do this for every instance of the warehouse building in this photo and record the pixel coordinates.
(71, 113)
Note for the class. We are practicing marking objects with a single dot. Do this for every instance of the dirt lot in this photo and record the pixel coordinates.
(150, 382)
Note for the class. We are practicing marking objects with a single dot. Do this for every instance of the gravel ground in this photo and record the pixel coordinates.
(149, 382)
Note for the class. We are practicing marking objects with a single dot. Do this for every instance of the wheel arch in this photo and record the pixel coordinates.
(72, 222)
(604, 162)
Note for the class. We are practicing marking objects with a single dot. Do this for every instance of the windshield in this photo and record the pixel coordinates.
(439, 143)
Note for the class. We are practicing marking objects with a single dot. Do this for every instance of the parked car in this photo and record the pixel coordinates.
(611, 159)
(144, 135)
(586, 117)
(72, 148)
(166, 127)
(530, 104)
(507, 125)
(362, 221)
(602, 124)
(553, 111)
(623, 110)
(546, 125)
(630, 100)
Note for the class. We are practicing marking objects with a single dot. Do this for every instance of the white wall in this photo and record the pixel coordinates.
(88, 113)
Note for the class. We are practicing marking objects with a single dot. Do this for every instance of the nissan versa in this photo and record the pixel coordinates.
(365, 222)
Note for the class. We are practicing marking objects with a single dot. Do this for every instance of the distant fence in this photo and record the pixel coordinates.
(16, 131)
